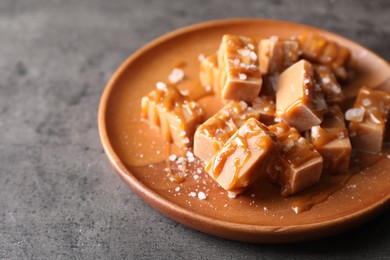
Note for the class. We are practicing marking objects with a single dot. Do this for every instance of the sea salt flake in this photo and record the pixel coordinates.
(176, 75)
(325, 80)
(315, 131)
(202, 195)
(355, 114)
(242, 76)
(192, 194)
(366, 102)
(161, 86)
(173, 157)
(244, 52)
(232, 194)
(177, 189)
(253, 56)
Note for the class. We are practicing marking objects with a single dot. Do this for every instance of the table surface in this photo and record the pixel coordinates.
(59, 197)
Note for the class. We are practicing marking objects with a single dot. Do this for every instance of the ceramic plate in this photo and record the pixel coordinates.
(261, 214)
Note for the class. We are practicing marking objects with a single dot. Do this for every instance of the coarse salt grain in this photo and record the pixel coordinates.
(173, 157)
(201, 195)
(231, 194)
(325, 80)
(355, 114)
(253, 56)
(315, 131)
(177, 189)
(366, 102)
(244, 52)
(196, 177)
(192, 194)
(161, 86)
(242, 76)
(176, 75)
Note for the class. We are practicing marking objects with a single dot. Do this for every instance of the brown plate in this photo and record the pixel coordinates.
(260, 215)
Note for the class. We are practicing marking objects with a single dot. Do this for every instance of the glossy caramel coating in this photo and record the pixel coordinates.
(213, 134)
(299, 100)
(331, 140)
(368, 135)
(299, 165)
(248, 154)
(239, 74)
(175, 114)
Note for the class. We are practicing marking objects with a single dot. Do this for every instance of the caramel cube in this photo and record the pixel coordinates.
(277, 55)
(239, 74)
(333, 94)
(298, 165)
(248, 154)
(299, 100)
(320, 50)
(331, 140)
(209, 73)
(367, 129)
(266, 106)
(174, 114)
(213, 134)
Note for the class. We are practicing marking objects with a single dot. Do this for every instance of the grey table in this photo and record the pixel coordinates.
(59, 197)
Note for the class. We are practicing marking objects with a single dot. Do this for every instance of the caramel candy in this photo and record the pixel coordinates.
(277, 55)
(174, 114)
(209, 73)
(298, 165)
(239, 74)
(333, 94)
(331, 140)
(320, 50)
(213, 134)
(266, 106)
(248, 154)
(299, 100)
(367, 126)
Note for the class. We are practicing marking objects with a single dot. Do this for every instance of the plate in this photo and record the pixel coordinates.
(260, 215)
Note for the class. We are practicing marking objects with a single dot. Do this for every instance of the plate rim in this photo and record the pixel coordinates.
(237, 231)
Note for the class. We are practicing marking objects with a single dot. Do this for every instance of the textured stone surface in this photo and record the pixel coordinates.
(59, 197)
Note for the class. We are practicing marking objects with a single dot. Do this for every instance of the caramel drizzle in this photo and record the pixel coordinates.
(378, 106)
(231, 48)
(294, 152)
(305, 203)
(172, 177)
(172, 100)
(328, 135)
(240, 141)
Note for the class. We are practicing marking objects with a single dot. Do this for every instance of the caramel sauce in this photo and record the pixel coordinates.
(172, 177)
(241, 58)
(171, 99)
(328, 135)
(218, 162)
(295, 150)
(225, 122)
(237, 166)
(361, 162)
(240, 141)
